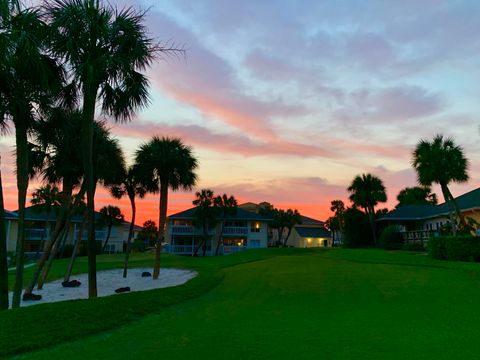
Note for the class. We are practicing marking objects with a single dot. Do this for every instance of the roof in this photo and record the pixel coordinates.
(312, 232)
(411, 212)
(10, 215)
(240, 215)
(310, 221)
(34, 213)
(468, 201)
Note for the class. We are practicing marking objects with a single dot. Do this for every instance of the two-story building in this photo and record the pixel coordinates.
(242, 230)
(39, 226)
(309, 233)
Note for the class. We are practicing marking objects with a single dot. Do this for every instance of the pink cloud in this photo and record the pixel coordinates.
(237, 144)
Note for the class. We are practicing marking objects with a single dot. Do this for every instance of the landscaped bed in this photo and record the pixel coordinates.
(272, 303)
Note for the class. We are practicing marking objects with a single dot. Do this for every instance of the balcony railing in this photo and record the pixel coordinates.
(35, 234)
(182, 229)
(235, 230)
(417, 236)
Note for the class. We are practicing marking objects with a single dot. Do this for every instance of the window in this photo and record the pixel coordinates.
(254, 226)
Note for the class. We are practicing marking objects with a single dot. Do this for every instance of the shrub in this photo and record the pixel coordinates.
(437, 247)
(357, 232)
(412, 247)
(138, 246)
(391, 238)
(455, 248)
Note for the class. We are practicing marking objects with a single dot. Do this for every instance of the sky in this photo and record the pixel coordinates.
(287, 101)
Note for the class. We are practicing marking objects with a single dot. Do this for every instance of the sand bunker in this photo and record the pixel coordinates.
(108, 281)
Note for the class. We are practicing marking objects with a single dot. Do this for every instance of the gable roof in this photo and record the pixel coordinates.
(312, 232)
(310, 221)
(240, 215)
(467, 201)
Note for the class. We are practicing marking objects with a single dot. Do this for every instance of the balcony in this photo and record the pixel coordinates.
(235, 230)
(35, 234)
(182, 229)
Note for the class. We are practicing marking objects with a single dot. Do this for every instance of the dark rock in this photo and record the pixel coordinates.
(31, 296)
(146, 274)
(71, 283)
(122, 289)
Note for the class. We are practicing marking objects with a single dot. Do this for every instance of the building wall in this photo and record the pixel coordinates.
(12, 231)
(296, 240)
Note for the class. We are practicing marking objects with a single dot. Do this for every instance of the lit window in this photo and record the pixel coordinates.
(254, 226)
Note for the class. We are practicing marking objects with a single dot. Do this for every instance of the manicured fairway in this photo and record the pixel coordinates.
(336, 304)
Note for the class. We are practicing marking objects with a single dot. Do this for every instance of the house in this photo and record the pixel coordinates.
(39, 226)
(419, 222)
(242, 230)
(310, 233)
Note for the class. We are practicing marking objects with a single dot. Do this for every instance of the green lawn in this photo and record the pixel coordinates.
(275, 303)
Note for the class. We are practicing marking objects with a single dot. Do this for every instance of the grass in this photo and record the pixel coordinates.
(275, 303)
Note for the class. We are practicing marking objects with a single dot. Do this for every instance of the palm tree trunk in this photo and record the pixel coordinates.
(3, 253)
(22, 185)
(75, 249)
(130, 236)
(220, 236)
(51, 257)
(89, 97)
(447, 196)
(59, 226)
(371, 218)
(161, 226)
(109, 231)
(287, 237)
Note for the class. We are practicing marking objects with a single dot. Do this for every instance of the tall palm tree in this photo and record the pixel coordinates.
(3, 253)
(29, 80)
(162, 164)
(226, 205)
(58, 138)
(109, 217)
(416, 195)
(205, 216)
(441, 161)
(131, 188)
(105, 49)
(366, 191)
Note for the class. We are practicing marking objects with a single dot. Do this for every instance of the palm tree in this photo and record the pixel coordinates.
(227, 205)
(105, 48)
(205, 216)
(29, 80)
(58, 139)
(441, 161)
(367, 191)
(165, 163)
(109, 217)
(416, 195)
(131, 188)
(3, 253)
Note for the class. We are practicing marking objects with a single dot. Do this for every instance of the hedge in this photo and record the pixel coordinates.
(455, 248)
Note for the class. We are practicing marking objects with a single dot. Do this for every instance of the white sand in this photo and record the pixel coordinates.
(108, 281)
